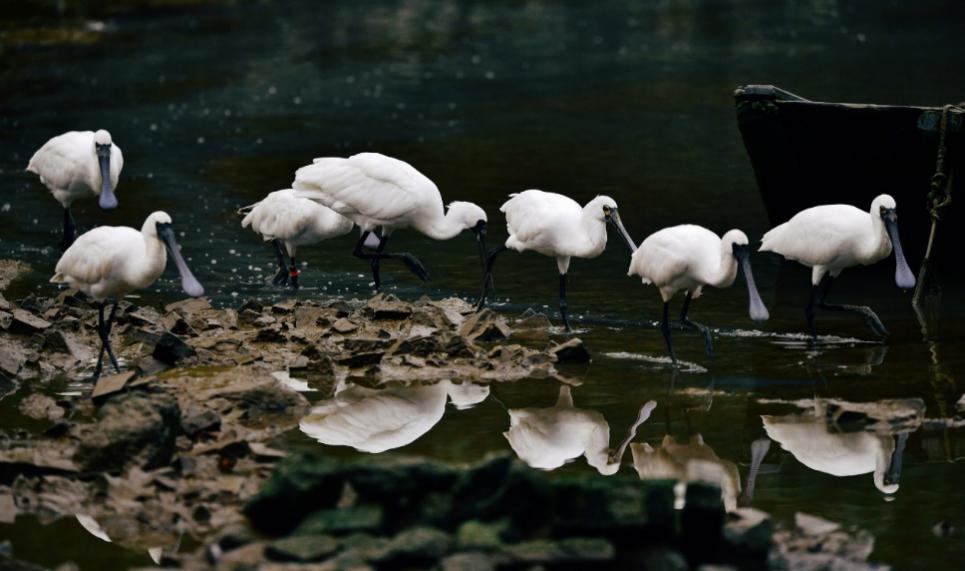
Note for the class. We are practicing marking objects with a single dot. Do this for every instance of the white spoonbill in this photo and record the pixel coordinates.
(557, 226)
(289, 222)
(78, 164)
(110, 261)
(380, 192)
(833, 237)
(689, 257)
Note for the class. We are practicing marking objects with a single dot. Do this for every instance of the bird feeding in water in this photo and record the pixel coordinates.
(111, 261)
(689, 257)
(380, 193)
(833, 237)
(289, 221)
(557, 226)
(78, 164)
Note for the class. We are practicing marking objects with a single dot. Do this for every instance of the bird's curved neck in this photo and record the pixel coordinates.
(442, 227)
(726, 271)
(153, 246)
(594, 229)
(877, 241)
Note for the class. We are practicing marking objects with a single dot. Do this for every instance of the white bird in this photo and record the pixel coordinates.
(689, 257)
(377, 192)
(290, 221)
(547, 438)
(557, 226)
(78, 164)
(111, 261)
(833, 237)
(688, 462)
(375, 420)
(808, 438)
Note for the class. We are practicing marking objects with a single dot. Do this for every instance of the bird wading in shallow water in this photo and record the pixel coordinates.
(380, 193)
(833, 237)
(557, 226)
(111, 261)
(289, 222)
(689, 257)
(76, 165)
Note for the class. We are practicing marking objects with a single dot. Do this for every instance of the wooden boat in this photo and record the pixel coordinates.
(806, 153)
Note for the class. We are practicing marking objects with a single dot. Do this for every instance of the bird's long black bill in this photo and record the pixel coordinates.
(614, 219)
(893, 475)
(189, 283)
(904, 278)
(108, 200)
(757, 309)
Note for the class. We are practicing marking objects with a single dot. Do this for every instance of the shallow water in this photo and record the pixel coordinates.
(215, 104)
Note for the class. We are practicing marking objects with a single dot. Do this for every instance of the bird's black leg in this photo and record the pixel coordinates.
(293, 274)
(665, 329)
(488, 285)
(704, 330)
(100, 333)
(809, 309)
(870, 318)
(69, 229)
(281, 277)
(107, 337)
(411, 262)
(566, 320)
(376, 277)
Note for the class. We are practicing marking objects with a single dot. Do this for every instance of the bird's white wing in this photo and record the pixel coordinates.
(280, 215)
(62, 161)
(367, 186)
(660, 259)
(533, 215)
(818, 235)
(91, 257)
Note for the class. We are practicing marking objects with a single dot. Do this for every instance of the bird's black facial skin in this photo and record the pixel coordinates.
(613, 217)
(107, 199)
(190, 285)
(480, 231)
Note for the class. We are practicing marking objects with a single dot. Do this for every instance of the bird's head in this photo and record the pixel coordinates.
(467, 214)
(158, 224)
(604, 209)
(885, 206)
(102, 148)
(736, 243)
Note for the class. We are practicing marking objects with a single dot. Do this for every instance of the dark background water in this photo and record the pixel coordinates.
(217, 103)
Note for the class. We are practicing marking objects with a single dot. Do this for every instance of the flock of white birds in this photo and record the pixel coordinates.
(381, 194)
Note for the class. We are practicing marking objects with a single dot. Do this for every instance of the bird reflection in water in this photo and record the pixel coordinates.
(391, 416)
(692, 461)
(547, 438)
(156, 553)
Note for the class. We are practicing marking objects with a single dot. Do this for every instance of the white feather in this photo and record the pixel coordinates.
(67, 165)
(294, 221)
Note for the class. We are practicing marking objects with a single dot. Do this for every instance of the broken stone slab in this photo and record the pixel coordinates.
(419, 543)
(10, 270)
(388, 307)
(814, 525)
(41, 407)
(196, 419)
(26, 323)
(531, 320)
(170, 349)
(366, 517)
(190, 306)
(572, 351)
(749, 529)
(13, 355)
(344, 326)
(62, 342)
(145, 315)
(485, 326)
(299, 485)
(284, 307)
(563, 551)
(302, 549)
(111, 384)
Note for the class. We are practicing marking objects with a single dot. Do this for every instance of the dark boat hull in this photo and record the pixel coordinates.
(806, 153)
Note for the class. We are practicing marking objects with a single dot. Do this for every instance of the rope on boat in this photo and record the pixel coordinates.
(939, 198)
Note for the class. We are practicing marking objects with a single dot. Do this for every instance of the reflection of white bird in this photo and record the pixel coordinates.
(547, 438)
(289, 221)
(111, 261)
(376, 191)
(681, 461)
(689, 257)
(834, 237)
(79, 164)
(376, 420)
(557, 226)
(95, 529)
(808, 439)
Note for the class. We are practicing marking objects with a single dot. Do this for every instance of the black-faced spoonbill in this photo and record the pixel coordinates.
(78, 164)
(557, 226)
(110, 261)
(289, 221)
(833, 237)
(380, 192)
(689, 257)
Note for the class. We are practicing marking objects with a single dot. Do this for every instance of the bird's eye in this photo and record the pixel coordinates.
(606, 210)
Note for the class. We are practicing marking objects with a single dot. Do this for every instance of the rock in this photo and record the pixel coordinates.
(26, 323)
(10, 270)
(572, 351)
(357, 360)
(342, 520)
(750, 530)
(285, 307)
(110, 385)
(170, 349)
(569, 550)
(145, 315)
(814, 525)
(189, 307)
(299, 485)
(418, 345)
(135, 428)
(387, 306)
(344, 326)
(468, 562)
(41, 407)
(530, 320)
(420, 544)
(62, 342)
(302, 549)
(485, 326)
(196, 419)
(477, 535)
(13, 355)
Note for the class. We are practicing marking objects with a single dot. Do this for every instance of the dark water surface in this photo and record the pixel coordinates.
(217, 103)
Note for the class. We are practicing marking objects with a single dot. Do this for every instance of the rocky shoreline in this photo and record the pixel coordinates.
(187, 442)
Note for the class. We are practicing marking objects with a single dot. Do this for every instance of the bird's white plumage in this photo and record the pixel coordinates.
(376, 191)
(832, 237)
(808, 439)
(686, 257)
(294, 221)
(68, 166)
